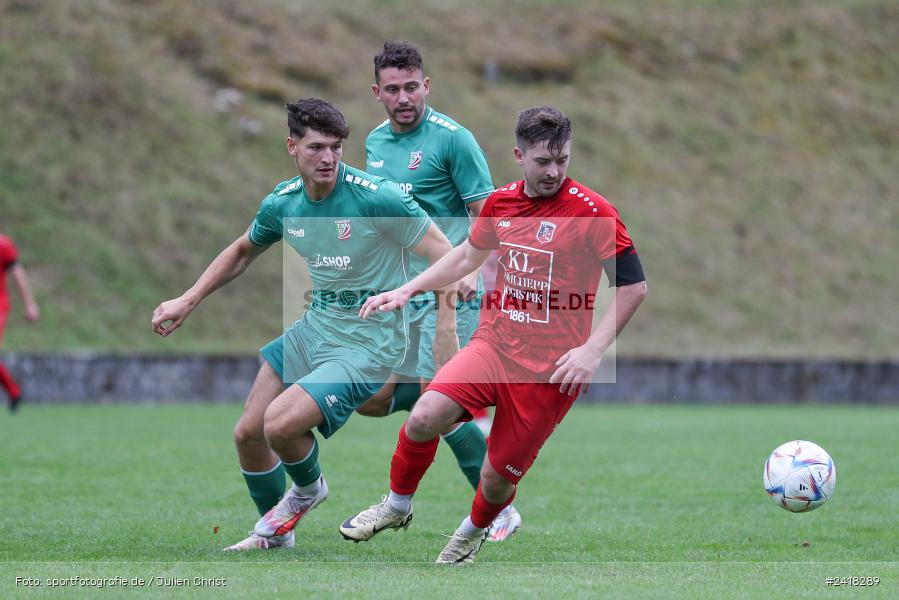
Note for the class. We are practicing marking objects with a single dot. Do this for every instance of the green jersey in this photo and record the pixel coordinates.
(439, 164)
(355, 242)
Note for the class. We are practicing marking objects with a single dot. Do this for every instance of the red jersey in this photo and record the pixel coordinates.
(551, 253)
(8, 257)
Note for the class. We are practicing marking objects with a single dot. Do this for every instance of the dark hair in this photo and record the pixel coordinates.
(400, 55)
(314, 113)
(542, 123)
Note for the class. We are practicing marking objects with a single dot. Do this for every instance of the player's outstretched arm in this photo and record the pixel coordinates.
(458, 262)
(20, 276)
(468, 285)
(577, 366)
(229, 264)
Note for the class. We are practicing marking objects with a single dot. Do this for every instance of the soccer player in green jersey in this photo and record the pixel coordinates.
(440, 164)
(353, 229)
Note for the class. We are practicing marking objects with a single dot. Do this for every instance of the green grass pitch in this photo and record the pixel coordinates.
(654, 502)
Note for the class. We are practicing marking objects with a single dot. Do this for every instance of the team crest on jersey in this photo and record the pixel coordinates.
(344, 229)
(545, 232)
(415, 159)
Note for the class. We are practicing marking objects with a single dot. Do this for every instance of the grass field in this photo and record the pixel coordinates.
(650, 502)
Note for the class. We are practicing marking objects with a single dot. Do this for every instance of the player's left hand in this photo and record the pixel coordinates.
(392, 300)
(575, 370)
(445, 346)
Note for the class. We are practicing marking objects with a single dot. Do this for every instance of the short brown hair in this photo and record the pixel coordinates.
(399, 55)
(542, 123)
(314, 113)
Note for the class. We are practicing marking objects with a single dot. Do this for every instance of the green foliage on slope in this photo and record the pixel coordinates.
(750, 147)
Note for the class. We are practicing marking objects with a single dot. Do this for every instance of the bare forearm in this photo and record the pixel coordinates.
(20, 276)
(620, 310)
(228, 265)
(447, 270)
(457, 263)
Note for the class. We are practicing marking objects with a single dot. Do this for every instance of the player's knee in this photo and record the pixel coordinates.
(247, 434)
(422, 424)
(277, 432)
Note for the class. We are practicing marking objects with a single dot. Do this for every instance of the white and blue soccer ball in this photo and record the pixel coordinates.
(799, 476)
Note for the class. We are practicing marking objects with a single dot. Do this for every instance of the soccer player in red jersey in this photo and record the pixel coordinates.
(534, 350)
(9, 263)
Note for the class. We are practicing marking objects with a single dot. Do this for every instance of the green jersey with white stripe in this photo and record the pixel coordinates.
(356, 243)
(439, 164)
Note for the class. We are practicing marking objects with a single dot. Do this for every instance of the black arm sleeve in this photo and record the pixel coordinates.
(626, 267)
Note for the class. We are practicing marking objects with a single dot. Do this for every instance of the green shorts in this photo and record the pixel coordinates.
(419, 361)
(338, 378)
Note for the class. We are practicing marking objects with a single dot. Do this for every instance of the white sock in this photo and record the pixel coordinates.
(308, 490)
(400, 502)
(468, 529)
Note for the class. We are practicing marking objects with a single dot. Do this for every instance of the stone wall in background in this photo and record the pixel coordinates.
(105, 378)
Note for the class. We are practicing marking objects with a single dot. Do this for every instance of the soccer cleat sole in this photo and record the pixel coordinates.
(283, 545)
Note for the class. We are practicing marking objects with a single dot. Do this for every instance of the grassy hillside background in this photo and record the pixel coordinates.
(751, 147)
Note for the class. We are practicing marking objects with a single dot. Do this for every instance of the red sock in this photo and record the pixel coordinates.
(9, 384)
(410, 462)
(483, 513)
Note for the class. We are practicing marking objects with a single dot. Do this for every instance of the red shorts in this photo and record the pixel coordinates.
(526, 413)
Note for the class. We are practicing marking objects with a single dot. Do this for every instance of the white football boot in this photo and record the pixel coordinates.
(504, 525)
(460, 549)
(281, 519)
(257, 542)
(374, 520)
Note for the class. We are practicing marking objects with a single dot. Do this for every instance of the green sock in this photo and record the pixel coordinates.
(404, 396)
(469, 445)
(306, 471)
(266, 488)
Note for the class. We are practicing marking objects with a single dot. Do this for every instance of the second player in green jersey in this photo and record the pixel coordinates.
(438, 161)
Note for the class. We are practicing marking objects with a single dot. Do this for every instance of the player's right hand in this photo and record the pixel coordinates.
(32, 312)
(392, 300)
(169, 315)
(468, 285)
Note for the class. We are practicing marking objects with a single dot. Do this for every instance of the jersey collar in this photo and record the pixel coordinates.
(341, 174)
(414, 130)
(562, 189)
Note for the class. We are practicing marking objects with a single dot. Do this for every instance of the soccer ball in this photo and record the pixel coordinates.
(799, 476)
